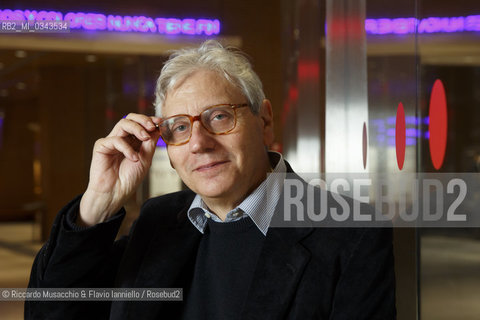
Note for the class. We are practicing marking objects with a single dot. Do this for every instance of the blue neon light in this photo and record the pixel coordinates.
(101, 22)
(410, 141)
(161, 143)
(427, 25)
(384, 130)
(412, 120)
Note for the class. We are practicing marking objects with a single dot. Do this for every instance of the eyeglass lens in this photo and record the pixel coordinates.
(217, 120)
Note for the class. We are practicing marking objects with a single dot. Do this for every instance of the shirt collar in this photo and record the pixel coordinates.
(258, 205)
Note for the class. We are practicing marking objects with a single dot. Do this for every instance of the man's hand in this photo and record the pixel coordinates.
(119, 163)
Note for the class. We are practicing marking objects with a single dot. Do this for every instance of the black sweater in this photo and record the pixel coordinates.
(224, 267)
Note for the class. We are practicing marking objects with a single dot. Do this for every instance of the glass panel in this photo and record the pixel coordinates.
(449, 51)
(392, 91)
(303, 108)
(342, 98)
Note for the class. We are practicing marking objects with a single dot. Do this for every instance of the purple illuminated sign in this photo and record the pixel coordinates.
(384, 130)
(427, 25)
(98, 21)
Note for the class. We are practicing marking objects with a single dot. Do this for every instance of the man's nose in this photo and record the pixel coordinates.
(201, 140)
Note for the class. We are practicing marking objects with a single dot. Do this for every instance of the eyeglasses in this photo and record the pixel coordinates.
(218, 119)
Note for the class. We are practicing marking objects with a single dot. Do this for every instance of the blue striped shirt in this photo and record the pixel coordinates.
(259, 205)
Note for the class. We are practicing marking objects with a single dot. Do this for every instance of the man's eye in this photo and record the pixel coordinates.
(220, 116)
(179, 128)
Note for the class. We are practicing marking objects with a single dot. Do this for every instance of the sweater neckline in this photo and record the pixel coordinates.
(237, 226)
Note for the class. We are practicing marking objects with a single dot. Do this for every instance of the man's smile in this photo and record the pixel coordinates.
(211, 165)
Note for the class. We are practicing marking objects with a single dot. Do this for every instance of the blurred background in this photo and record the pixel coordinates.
(337, 73)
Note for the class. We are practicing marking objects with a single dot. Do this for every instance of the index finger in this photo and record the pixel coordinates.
(146, 121)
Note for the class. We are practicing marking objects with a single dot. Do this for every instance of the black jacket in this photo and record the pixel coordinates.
(302, 273)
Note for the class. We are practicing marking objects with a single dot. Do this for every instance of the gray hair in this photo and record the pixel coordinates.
(229, 62)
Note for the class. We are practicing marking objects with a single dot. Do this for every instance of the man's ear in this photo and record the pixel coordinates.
(266, 114)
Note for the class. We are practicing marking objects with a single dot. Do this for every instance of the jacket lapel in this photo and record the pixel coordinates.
(280, 266)
(279, 269)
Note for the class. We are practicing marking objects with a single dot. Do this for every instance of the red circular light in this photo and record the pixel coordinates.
(438, 122)
(400, 136)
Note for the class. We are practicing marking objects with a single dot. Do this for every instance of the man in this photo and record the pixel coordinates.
(212, 240)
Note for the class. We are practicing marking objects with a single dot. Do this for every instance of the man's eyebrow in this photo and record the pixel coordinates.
(201, 110)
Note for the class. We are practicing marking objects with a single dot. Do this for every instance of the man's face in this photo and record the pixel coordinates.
(226, 167)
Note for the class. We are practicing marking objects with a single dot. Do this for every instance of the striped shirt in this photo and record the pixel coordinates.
(259, 205)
